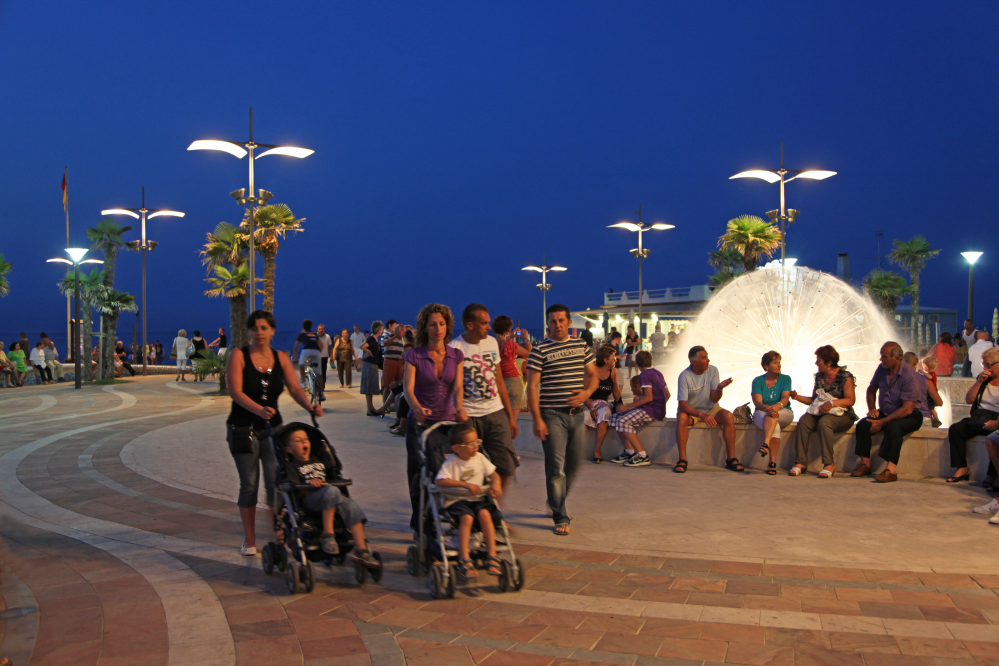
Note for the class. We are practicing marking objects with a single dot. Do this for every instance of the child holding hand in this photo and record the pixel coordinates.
(467, 468)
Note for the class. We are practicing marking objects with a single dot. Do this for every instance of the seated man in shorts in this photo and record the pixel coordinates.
(649, 405)
(697, 395)
(469, 469)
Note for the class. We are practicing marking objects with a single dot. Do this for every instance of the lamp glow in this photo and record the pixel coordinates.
(972, 257)
(558, 268)
(119, 211)
(660, 225)
(768, 176)
(76, 253)
(61, 261)
(172, 213)
(625, 225)
(290, 151)
(816, 175)
(531, 268)
(92, 261)
(224, 146)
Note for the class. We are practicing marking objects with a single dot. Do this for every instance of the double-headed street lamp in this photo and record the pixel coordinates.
(544, 286)
(972, 257)
(641, 253)
(140, 214)
(236, 148)
(775, 175)
(77, 254)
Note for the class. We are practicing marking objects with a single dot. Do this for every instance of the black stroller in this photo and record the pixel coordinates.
(301, 527)
(435, 546)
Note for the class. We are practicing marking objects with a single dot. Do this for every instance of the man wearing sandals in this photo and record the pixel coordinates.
(698, 393)
(562, 378)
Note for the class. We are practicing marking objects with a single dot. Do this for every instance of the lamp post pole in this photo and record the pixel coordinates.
(971, 257)
(544, 286)
(77, 255)
(641, 253)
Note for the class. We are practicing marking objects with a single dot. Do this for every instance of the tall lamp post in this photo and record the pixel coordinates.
(641, 253)
(544, 286)
(775, 175)
(236, 148)
(77, 254)
(143, 245)
(972, 257)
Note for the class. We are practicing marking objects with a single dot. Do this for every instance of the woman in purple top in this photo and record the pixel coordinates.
(432, 381)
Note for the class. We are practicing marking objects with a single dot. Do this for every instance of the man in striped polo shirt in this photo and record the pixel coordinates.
(562, 379)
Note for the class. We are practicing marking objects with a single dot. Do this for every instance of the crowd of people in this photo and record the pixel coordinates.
(22, 357)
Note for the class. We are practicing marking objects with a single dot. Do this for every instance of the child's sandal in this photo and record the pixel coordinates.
(466, 568)
(493, 566)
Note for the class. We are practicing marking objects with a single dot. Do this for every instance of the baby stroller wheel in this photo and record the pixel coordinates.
(309, 577)
(360, 571)
(376, 572)
(450, 584)
(505, 581)
(518, 580)
(282, 557)
(291, 578)
(267, 558)
(435, 583)
(412, 560)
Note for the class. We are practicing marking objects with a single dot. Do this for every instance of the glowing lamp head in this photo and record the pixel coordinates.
(119, 211)
(662, 226)
(76, 253)
(289, 151)
(171, 213)
(224, 146)
(972, 257)
(531, 268)
(557, 268)
(816, 175)
(630, 226)
(768, 176)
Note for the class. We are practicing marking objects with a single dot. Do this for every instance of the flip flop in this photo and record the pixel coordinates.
(562, 529)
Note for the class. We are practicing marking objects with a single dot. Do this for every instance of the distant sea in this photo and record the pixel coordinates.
(283, 340)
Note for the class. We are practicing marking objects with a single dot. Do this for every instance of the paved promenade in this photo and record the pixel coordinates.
(119, 526)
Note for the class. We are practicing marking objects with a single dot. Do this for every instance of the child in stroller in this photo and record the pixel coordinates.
(467, 468)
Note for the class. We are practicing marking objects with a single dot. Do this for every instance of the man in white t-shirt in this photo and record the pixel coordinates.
(485, 398)
(356, 340)
(976, 350)
(970, 337)
(698, 393)
(325, 345)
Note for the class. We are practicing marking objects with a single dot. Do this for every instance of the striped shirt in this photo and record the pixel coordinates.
(394, 349)
(561, 365)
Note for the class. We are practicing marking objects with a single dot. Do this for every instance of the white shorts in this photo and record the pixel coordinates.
(310, 357)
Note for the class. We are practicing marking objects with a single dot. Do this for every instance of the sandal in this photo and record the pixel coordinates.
(493, 566)
(764, 450)
(795, 471)
(365, 557)
(826, 473)
(734, 465)
(466, 568)
(955, 478)
(597, 460)
(772, 469)
(680, 467)
(562, 529)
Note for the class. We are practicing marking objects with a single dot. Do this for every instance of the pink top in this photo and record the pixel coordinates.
(508, 358)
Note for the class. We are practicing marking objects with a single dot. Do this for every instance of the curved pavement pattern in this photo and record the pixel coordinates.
(119, 528)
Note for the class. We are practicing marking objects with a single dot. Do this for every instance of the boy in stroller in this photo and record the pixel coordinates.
(469, 469)
(305, 468)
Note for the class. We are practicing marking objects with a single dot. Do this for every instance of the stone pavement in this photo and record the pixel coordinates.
(119, 527)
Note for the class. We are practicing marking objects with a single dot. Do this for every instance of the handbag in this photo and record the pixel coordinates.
(173, 354)
(742, 414)
(190, 350)
(821, 398)
(239, 439)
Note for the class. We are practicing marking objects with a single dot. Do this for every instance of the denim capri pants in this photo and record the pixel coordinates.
(248, 466)
(330, 497)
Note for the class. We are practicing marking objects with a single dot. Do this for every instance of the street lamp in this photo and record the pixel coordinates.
(544, 286)
(235, 148)
(77, 254)
(640, 253)
(972, 257)
(140, 214)
(775, 175)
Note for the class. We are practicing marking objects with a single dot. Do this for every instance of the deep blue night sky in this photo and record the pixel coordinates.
(457, 142)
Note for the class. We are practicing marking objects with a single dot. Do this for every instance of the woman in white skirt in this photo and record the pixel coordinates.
(180, 345)
(771, 396)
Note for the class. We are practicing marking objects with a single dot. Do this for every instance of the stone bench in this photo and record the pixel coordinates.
(925, 453)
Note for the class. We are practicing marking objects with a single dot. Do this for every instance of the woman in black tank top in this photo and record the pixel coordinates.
(256, 376)
(600, 406)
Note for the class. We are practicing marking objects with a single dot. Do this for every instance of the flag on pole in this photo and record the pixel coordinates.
(65, 194)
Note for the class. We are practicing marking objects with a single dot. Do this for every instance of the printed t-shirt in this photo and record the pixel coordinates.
(696, 389)
(652, 378)
(562, 368)
(771, 396)
(508, 358)
(374, 349)
(475, 470)
(318, 466)
(308, 340)
(481, 395)
(433, 392)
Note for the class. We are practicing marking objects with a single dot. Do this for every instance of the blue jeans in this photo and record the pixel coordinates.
(563, 453)
(329, 497)
(248, 467)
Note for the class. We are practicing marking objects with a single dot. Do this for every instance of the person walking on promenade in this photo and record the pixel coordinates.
(657, 345)
(600, 406)
(836, 387)
(632, 344)
(256, 376)
(222, 342)
(983, 396)
(179, 351)
(484, 397)
(369, 367)
(648, 406)
(698, 392)
(432, 381)
(510, 351)
(52, 361)
(771, 395)
(896, 387)
(970, 336)
(562, 379)
(325, 347)
(944, 352)
(199, 344)
(393, 350)
(343, 356)
(159, 353)
(356, 340)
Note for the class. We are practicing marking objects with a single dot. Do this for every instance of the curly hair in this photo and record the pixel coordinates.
(991, 355)
(424, 317)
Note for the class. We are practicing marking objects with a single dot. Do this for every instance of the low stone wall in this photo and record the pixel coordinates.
(925, 453)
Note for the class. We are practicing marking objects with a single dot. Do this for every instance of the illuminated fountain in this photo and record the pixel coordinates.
(759, 311)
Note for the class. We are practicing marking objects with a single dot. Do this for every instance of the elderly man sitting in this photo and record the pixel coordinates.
(698, 393)
(897, 388)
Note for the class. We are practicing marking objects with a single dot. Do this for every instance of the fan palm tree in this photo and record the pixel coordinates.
(912, 256)
(106, 236)
(753, 237)
(91, 286)
(886, 289)
(4, 284)
(727, 264)
(272, 224)
(233, 284)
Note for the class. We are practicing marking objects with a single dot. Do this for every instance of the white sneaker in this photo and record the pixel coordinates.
(247, 550)
(994, 520)
(991, 507)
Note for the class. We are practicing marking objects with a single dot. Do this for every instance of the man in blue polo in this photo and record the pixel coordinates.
(897, 388)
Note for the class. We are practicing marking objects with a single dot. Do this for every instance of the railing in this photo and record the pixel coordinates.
(669, 295)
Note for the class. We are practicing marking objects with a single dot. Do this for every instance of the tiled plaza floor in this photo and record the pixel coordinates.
(126, 569)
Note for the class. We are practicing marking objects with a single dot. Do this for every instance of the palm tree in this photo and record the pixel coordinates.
(886, 289)
(912, 256)
(106, 236)
(91, 286)
(233, 285)
(723, 277)
(4, 284)
(752, 237)
(272, 223)
(727, 264)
